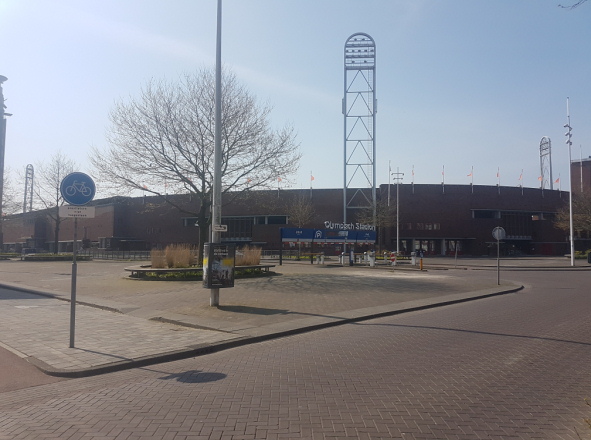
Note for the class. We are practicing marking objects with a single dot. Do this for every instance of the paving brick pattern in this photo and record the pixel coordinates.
(510, 367)
(40, 327)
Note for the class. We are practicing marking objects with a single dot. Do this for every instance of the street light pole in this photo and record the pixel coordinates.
(568, 135)
(216, 209)
(398, 178)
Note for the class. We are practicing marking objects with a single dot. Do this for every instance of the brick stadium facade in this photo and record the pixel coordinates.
(435, 219)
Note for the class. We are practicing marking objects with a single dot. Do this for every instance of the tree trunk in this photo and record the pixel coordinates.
(56, 232)
(203, 223)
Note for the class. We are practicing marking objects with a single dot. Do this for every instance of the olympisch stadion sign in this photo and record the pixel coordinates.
(349, 226)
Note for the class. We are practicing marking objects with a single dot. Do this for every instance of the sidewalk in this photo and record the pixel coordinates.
(123, 323)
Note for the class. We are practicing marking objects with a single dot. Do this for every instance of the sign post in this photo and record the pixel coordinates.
(77, 189)
(498, 234)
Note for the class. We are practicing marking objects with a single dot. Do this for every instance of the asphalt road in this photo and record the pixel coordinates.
(508, 367)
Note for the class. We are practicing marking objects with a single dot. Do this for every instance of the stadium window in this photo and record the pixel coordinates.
(485, 213)
(277, 220)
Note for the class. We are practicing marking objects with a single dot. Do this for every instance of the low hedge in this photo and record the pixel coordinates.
(56, 257)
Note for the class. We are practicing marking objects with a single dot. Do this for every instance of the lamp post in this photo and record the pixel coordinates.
(216, 211)
(568, 135)
(398, 178)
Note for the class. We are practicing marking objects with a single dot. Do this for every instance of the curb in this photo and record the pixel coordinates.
(269, 334)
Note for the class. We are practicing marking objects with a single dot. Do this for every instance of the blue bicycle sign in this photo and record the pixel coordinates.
(77, 188)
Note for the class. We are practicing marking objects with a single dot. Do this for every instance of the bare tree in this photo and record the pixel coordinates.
(581, 214)
(300, 210)
(163, 142)
(10, 202)
(385, 217)
(48, 178)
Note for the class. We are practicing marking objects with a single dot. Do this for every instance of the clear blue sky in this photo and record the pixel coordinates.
(460, 83)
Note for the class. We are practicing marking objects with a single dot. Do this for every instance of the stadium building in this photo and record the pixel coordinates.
(435, 219)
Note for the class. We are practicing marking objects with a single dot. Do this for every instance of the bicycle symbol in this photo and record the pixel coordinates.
(78, 187)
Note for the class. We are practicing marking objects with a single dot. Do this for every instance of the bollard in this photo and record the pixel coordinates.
(322, 259)
(421, 264)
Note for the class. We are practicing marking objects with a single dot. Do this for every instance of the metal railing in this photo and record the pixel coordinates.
(102, 254)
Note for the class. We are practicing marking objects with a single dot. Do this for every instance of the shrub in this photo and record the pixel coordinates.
(179, 255)
(175, 255)
(248, 256)
(158, 258)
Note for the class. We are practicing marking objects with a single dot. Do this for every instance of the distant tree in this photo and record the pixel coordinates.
(385, 217)
(10, 202)
(46, 190)
(581, 214)
(300, 210)
(163, 142)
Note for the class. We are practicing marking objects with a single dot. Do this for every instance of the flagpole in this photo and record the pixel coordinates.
(389, 173)
(443, 180)
(581, 149)
(472, 179)
(413, 179)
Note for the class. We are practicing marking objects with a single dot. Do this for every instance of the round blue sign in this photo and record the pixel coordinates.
(77, 188)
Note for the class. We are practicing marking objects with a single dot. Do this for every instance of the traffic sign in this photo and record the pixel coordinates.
(77, 188)
(76, 211)
(220, 228)
(499, 233)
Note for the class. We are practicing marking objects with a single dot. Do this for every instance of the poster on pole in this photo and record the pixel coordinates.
(218, 265)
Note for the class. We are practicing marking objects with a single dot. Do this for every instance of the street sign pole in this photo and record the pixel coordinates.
(499, 234)
(73, 289)
(76, 189)
(498, 263)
